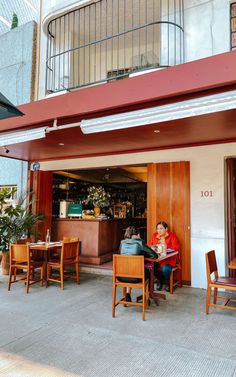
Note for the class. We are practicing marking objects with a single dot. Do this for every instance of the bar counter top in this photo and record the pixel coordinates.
(99, 219)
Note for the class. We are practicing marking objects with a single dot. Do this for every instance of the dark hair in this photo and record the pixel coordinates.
(131, 231)
(163, 223)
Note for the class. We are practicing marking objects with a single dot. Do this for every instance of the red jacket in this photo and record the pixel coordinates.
(171, 243)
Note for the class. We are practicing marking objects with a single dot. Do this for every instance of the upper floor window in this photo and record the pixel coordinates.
(233, 25)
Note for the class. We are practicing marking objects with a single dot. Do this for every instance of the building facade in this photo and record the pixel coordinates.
(162, 54)
(17, 73)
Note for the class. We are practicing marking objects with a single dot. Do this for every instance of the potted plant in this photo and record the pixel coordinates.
(98, 197)
(16, 222)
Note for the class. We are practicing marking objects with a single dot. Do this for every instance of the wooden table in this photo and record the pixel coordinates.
(45, 248)
(232, 264)
(155, 295)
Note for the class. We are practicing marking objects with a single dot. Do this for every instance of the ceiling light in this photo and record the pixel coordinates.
(156, 131)
(179, 110)
(61, 144)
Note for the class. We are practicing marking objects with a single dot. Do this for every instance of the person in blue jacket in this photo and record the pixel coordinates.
(134, 245)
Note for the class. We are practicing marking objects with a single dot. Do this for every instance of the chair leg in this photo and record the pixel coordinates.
(146, 296)
(180, 277)
(77, 272)
(27, 280)
(124, 295)
(10, 277)
(144, 303)
(171, 282)
(215, 295)
(41, 276)
(62, 276)
(208, 298)
(15, 269)
(113, 300)
(48, 274)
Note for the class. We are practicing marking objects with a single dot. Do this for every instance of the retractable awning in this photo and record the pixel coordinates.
(179, 110)
(187, 105)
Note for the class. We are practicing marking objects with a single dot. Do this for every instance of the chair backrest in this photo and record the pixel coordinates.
(211, 265)
(128, 266)
(19, 253)
(70, 239)
(70, 250)
(23, 241)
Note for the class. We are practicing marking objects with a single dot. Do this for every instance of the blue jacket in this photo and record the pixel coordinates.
(136, 246)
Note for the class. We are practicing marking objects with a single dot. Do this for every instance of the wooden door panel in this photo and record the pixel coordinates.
(169, 200)
(163, 183)
(231, 167)
(40, 184)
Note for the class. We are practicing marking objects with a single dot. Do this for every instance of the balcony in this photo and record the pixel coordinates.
(113, 39)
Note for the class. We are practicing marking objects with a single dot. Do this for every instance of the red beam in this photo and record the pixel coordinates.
(196, 76)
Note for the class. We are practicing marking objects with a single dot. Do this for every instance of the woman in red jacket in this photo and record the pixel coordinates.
(163, 236)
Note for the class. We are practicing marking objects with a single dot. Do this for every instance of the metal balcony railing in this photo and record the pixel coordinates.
(112, 39)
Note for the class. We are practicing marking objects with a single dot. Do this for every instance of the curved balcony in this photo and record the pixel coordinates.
(113, 39)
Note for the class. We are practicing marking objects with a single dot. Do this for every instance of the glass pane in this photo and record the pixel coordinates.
(233, 39)
(233, 24)
(233, 10)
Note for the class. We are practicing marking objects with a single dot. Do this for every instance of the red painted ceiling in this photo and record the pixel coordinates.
(188, 80)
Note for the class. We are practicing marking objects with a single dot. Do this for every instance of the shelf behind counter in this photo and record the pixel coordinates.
(99, 238)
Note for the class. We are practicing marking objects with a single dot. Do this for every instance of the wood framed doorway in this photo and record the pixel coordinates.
(168, 199)
(231, 210)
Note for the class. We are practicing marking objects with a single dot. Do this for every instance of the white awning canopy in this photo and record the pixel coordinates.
(178, 110)
(8, 138)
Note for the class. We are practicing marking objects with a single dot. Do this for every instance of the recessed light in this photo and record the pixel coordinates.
(61, 144)
(157, 131)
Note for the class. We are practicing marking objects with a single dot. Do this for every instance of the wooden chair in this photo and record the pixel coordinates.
(216, 283)
(69, 256)
(57, 253)
(176, 272)
(23, 241)
(125, 266)
(21, 258)
(70, 239)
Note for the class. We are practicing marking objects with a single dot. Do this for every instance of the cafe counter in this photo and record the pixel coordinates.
(99, 238)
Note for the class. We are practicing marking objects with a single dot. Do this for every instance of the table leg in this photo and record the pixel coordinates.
(154, 294)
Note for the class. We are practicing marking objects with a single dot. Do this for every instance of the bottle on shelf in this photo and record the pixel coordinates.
(47, 236)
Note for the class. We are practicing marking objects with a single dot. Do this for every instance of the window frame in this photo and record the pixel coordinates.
(233, 26)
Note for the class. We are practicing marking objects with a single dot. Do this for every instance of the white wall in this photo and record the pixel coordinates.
(207, 213)
(207, 28)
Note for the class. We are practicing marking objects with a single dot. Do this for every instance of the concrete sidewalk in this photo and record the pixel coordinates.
(50, 333)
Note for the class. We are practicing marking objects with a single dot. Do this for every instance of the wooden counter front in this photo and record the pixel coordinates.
(99, 238)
